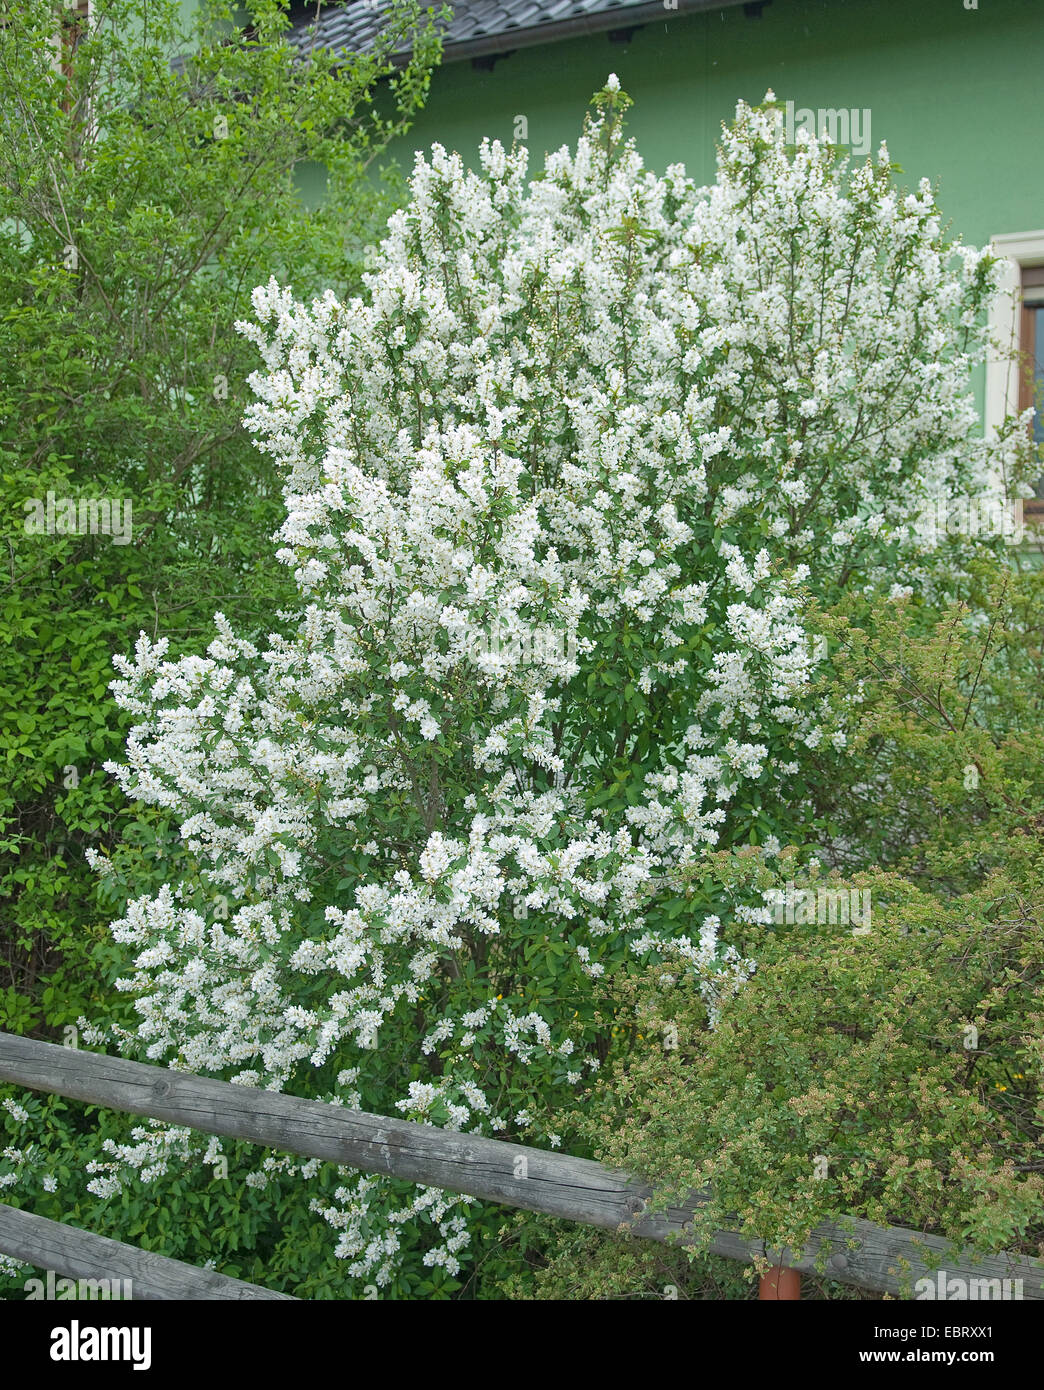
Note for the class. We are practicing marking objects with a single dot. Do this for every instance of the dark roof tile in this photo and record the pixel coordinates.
(485, 25)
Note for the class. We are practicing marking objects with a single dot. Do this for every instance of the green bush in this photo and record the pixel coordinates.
(141, 199)
(892, 1074)
(942, 778)
(908, 1059)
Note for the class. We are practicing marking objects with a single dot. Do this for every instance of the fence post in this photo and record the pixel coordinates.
(780, 1282)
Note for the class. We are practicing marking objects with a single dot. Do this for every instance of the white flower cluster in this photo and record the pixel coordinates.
(550, 486)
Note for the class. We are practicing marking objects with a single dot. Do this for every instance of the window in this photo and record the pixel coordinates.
(76, 15)
(1031, 385)
(1017, 318)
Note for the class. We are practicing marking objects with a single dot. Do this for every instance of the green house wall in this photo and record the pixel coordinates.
(957, 94)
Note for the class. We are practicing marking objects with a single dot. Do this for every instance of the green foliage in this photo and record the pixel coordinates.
(588, 1264)
(909, 1057)
(147, 183)
(942, 778)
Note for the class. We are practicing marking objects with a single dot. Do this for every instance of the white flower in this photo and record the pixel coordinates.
(511, 608)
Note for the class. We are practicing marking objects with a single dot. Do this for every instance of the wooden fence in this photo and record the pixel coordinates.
(80, 1255)
(882, 1259)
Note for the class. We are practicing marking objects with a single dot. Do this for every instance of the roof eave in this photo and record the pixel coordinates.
(577, 27)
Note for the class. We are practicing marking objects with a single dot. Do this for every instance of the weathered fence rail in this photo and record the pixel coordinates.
(78, 1254)
(883, 1259)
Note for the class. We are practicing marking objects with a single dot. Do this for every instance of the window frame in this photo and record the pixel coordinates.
(75, 20)
(1032, 301)
(1007, 387)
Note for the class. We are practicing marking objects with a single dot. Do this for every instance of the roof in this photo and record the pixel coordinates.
(488, 27)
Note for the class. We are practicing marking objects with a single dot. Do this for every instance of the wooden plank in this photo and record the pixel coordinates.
(515, 1175)
(77, 1254)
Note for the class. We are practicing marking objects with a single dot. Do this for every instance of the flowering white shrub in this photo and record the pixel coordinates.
(554, 488)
